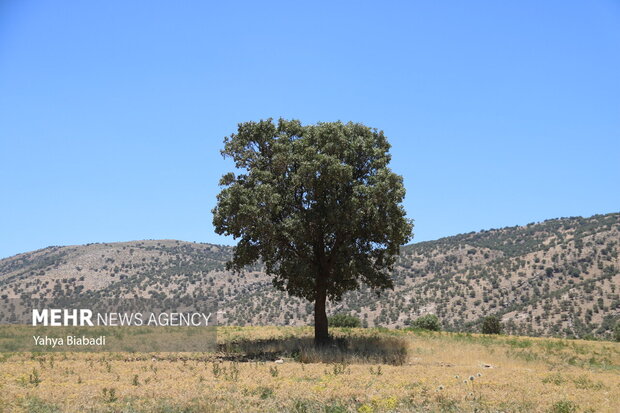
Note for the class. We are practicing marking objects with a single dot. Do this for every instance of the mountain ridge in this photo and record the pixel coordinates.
(556, 277)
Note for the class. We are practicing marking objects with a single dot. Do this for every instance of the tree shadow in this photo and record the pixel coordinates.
(357, 350)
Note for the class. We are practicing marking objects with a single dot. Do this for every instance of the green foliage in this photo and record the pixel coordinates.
(563, 406)
(313, 200)
(555, 378)
(492, 325)
(617, 331)
(265, 392)
(316, 204)
(33, 404)
(109, 395)
(341, 368)
(34, 377)
(427, 322)
(344, 320)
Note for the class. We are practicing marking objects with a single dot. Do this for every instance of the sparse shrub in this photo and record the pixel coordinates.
(34, 377)
(301, 406)
(273, 370)
(617, 331)
(583, 382)
(427, 322)
(341, 368)
(109, 395)
(233, 372)
(492, 325)
(556, 379)
(265, 392)
(34, 404)
(563, 406)
(216, 369)
(344, 320)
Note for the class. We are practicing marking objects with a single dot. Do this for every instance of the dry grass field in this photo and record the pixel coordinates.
(275, 369)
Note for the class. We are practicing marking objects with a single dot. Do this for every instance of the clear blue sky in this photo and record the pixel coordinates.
(112, 113)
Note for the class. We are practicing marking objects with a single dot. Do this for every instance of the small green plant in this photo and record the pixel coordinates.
(340, 368)
(556, 379)
(36, 405)
(109, 395)
(376, 372)
(135, 381)
(34, 377)
(265, 392)
(583, 382)
(273, 370)
(216, 369)
(344, 320)
(563, 406)
(233, 372)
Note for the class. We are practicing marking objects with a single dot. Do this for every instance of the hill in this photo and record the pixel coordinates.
(559, 277)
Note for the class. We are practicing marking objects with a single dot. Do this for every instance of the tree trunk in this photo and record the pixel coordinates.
(321, 334)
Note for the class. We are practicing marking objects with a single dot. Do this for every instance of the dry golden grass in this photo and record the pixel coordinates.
(441, 372)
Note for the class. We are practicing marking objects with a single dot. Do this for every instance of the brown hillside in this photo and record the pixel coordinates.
(558, 277)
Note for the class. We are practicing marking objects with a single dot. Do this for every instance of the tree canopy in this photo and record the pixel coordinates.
(492, 325)
(317, 204)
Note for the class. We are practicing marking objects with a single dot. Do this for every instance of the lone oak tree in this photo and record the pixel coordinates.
(317, 204)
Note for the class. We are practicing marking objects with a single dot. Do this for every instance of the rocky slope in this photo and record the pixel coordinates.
(559, 277)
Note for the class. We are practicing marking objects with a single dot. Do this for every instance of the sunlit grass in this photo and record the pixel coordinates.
(277, 369)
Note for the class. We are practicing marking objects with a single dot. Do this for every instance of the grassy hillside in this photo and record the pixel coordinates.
(447, 372)
(559, 277)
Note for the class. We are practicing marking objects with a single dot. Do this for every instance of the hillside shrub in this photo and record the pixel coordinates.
(427, 322)
(617, 331)
(344, 320)
(492, 325)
